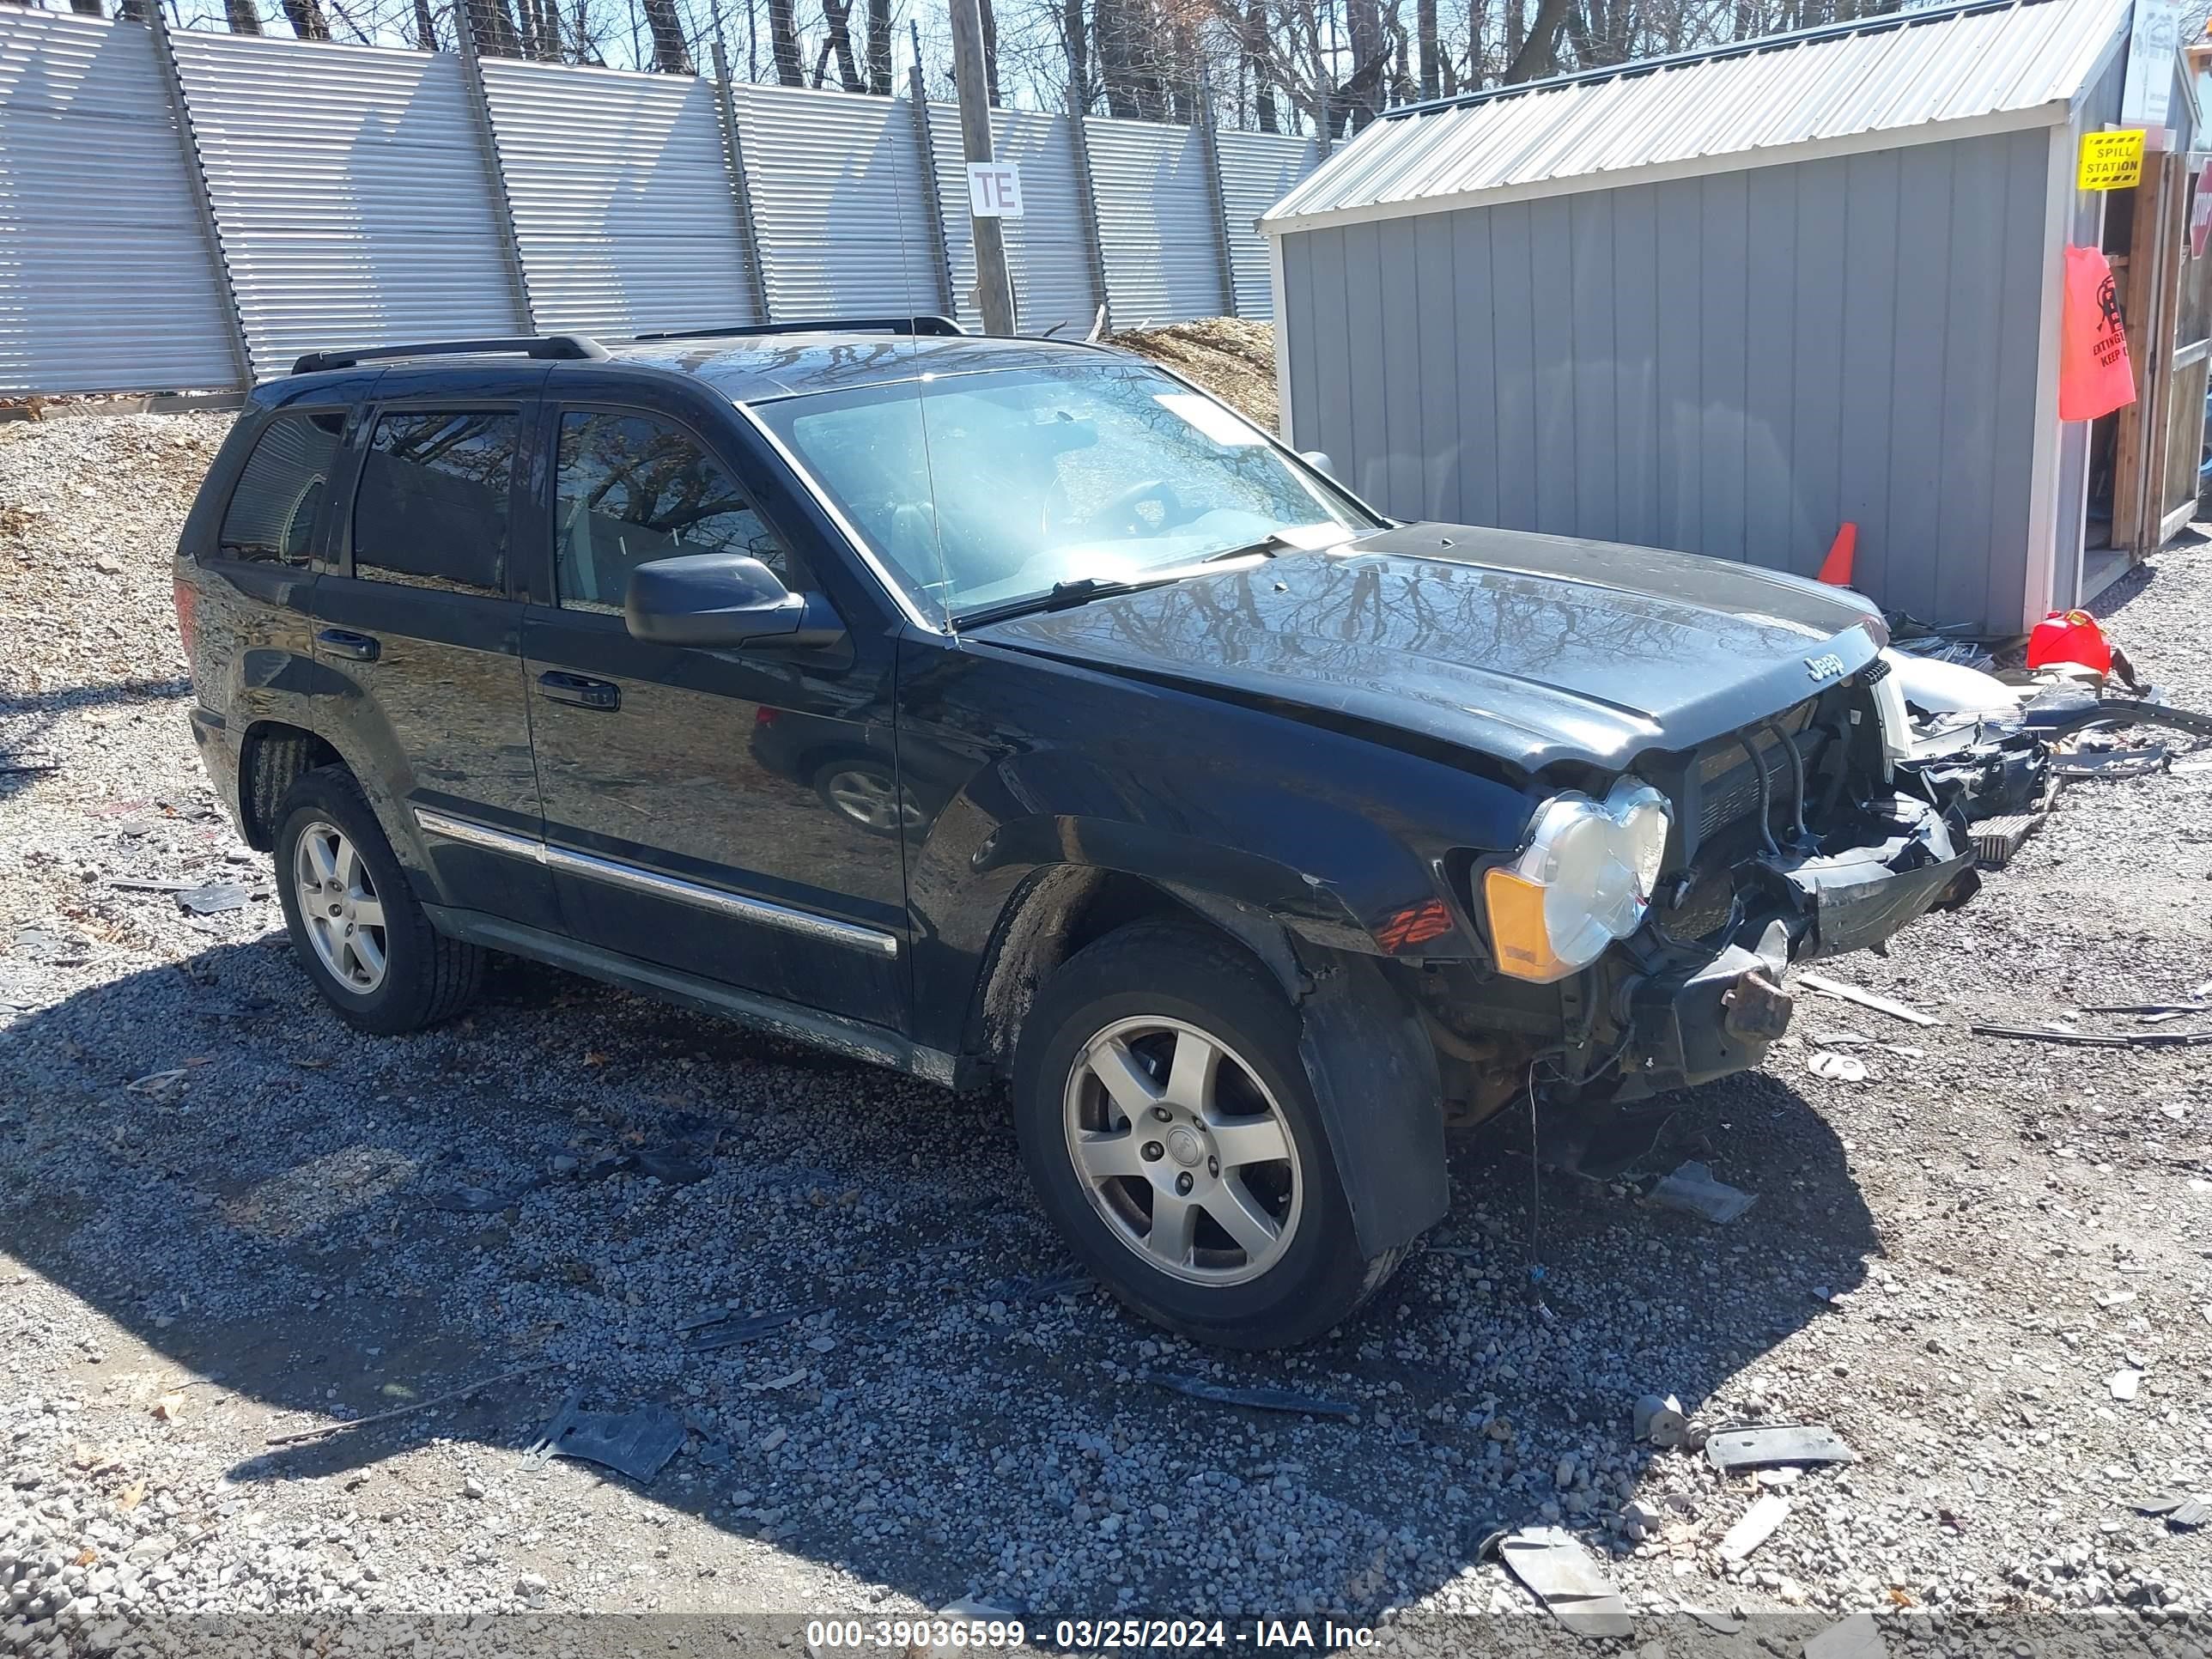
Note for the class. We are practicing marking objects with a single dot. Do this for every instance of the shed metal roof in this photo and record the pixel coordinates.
(1988, 64)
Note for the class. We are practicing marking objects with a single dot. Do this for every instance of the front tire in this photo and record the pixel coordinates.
(354, 921)
(1171, 1131)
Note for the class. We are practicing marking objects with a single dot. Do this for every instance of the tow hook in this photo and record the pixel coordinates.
(1757, 1010)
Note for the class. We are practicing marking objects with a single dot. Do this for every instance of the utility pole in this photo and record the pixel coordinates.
(994, 290)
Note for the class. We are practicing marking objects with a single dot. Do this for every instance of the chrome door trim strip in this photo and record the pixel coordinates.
(616, 873)
(480, 834)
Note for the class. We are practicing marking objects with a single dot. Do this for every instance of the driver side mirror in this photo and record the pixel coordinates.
(723, 601)
(1319, 461)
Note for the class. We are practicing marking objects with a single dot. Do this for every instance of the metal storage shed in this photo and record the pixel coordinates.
(1728, 301)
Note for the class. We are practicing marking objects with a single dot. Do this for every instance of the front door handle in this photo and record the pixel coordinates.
(344, 643)
(583, 692)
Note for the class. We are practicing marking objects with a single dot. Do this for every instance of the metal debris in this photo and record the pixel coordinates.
(1659, 1419)
(1266, 1399)
(1754, 1527)
(748, 1330)
(637, 1442)
(1733, 1450)
(1564, 1575)
(1692, 1189)
(447, 1398)
(2113, 763)
(1873, 999)
(2096, 1039)
(214, 898)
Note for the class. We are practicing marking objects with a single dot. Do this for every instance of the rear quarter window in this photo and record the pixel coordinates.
(272, 511)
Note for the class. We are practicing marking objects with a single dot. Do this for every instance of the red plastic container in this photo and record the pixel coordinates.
(2069, 636)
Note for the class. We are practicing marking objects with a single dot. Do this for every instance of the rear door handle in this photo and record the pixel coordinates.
(583, 692)
(359, 647)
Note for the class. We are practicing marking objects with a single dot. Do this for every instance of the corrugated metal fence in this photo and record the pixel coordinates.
(316, 194)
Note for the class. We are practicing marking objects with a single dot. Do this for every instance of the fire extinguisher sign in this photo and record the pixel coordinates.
(2111, 161)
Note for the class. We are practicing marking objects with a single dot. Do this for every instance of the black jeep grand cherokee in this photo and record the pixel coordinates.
(1000, 709)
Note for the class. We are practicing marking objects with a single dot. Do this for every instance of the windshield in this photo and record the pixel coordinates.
(994, 488)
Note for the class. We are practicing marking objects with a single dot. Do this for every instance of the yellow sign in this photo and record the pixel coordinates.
(2111, 161)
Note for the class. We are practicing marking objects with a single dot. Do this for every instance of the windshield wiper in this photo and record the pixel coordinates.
(1267, 546)
(1063, 596)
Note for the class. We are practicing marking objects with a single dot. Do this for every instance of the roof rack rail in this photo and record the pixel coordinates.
(925, 325)
(570, 346)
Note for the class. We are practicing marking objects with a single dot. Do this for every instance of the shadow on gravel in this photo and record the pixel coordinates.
(335, 1227)
(27, 721)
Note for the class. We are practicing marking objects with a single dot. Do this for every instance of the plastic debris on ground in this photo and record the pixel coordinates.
(1692, 1189)
(1835, 1067)
(1773, 1445)
(1564, 1577)
(637, 1442)
(1266, 1399)
(1757, 1525)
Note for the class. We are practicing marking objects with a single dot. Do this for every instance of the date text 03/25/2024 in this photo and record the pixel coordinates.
(939, 1635)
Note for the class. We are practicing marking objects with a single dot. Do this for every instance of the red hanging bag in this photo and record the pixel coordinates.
(2094, 376)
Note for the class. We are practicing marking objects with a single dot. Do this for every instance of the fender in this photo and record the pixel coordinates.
(1373, 1070)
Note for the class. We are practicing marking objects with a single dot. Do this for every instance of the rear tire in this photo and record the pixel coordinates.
(1169, 1127)
(354, 921)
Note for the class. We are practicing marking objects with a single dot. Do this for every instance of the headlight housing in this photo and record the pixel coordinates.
(1585, 881)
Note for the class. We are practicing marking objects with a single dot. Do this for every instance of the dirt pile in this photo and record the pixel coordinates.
(1233, 359)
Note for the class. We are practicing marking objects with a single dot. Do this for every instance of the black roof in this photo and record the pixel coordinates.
(753, 368)
(746, 366)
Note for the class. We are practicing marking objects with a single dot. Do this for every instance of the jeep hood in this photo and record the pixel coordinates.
(1532, 649)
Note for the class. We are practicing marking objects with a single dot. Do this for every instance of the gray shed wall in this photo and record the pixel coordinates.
(1732, 364)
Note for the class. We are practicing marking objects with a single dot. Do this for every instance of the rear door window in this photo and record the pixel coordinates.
(271, 514)
(432, 508)
(631, 488)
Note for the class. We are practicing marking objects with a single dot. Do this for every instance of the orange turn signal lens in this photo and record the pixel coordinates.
(1518, 932)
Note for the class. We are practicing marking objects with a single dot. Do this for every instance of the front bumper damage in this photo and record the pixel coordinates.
(1690, 1013)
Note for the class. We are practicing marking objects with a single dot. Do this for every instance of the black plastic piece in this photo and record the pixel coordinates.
(927, 325)
(569, 347)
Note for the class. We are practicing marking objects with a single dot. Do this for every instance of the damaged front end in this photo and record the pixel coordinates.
(1790, 840)
(1689, 1012)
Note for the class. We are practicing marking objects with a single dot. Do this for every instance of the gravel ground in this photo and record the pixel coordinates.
(224, 1218)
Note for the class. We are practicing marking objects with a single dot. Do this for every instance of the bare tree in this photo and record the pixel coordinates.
(243, 15)
(879, 47)
(306, 19)
(783, 43)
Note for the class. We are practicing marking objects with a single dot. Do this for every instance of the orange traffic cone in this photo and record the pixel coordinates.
(1836, 568)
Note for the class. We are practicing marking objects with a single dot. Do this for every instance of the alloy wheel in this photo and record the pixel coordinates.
(1183, 1151)
(339, 906)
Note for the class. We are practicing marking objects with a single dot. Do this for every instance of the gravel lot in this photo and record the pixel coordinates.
(223, 1218)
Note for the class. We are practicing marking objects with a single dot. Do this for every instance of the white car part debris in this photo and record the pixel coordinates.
(1692, 1189)
(1837, 1068)
(1564, 1575)
(1873, 999)
(1896, 723)
(1949, 687)
(1756, 1526)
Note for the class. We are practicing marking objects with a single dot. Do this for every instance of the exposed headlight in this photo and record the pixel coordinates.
(1585, 881)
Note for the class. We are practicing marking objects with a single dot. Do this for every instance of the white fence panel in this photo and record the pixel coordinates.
(1156, 227)
(623, 205)
(1257, 171)
(106, 281)
(1048, 256)
(351, 192)
(840, 204)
